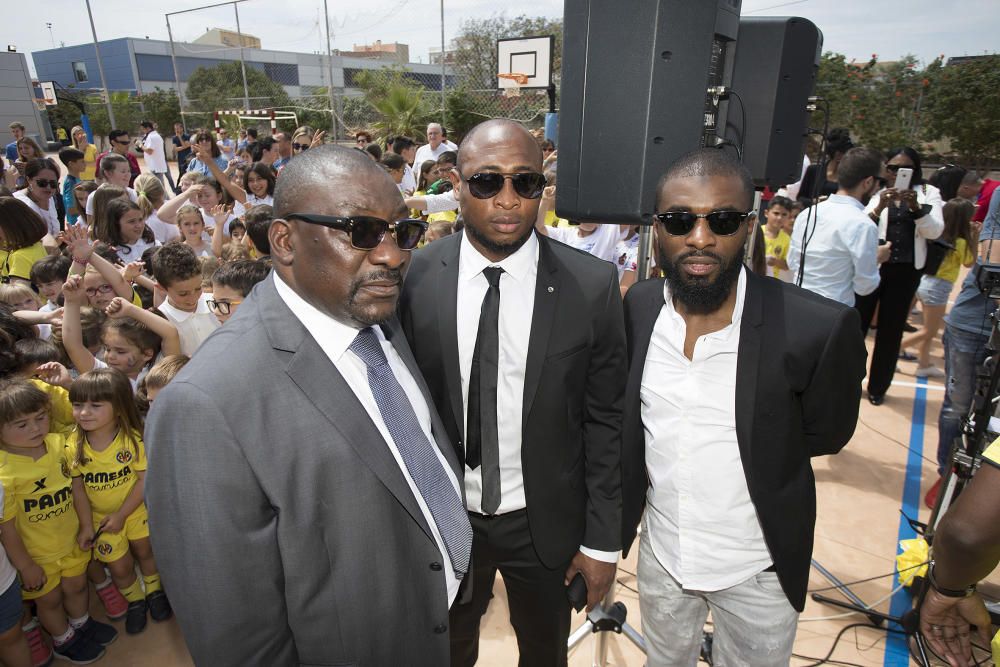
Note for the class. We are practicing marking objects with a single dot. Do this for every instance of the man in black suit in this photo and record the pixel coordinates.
(735, 381)
(522, 344)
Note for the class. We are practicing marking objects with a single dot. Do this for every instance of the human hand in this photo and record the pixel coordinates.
(73, 291)
(201, 153)
(85, 537)
(118, 308)
(113, 523)
(193, 191)
(132, 270)
(887, 195)
(883, 252)
(219, 214)
(33, 577)
(977, 226)
(549, 194)
(54, 373)
(945, 622)
(78, 241)
(10, 175)
(598, 575)
(54, 316)
(318, 139)
(909, 197)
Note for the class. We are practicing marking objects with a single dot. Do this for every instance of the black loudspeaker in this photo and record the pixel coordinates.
(774, 74)
(635, 75)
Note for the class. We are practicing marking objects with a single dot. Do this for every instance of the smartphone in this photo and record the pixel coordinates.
(903, 178)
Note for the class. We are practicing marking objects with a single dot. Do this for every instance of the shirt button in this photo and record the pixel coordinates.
(440, 629)
(436, 566)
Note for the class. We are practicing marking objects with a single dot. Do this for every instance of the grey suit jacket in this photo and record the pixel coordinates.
(282, 525)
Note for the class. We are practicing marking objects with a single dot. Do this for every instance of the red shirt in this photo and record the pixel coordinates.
(983, 202)
(133, 165)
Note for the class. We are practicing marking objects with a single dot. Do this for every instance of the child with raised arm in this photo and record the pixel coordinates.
(108, 463)
(40, 524)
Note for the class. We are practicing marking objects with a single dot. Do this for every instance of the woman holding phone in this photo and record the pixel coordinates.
(908, 215)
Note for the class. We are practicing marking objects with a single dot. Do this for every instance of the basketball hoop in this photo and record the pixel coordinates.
(517, 80)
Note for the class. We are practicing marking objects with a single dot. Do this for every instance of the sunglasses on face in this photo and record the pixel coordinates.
(100, 289)
(722, 223)
(42, 183)
(367, 232)
(223, 307)
(528, 185)
(300, 147)
(896, 167)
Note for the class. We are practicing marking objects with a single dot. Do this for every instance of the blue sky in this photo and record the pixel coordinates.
(856, 28)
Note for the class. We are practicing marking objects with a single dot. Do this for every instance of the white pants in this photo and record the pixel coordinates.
(754, 624)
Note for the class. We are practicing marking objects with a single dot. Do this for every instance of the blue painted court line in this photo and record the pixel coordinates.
(897, 652)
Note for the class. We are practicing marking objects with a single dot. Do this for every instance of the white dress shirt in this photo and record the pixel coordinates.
(517, 301)
(156, 161)
(841, 248)
(700, 521)
(334, 338)
(425, 152)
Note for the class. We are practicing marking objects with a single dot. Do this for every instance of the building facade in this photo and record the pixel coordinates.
(17, 98)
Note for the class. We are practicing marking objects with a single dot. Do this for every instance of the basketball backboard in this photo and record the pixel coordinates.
(530, 56)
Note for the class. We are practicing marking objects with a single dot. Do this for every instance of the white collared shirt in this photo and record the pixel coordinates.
(193, 328)
(841, 247)
(699, 518)
(517, 304)
(334, 338)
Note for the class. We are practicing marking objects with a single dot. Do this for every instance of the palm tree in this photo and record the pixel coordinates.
(403, 111)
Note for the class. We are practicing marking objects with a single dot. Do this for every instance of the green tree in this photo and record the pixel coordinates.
(888, 111)
(963, 105)
(459, 113)
(400, 105)
(161, 107)
(221, 87)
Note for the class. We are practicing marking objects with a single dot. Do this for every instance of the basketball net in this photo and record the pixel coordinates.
(518, 80)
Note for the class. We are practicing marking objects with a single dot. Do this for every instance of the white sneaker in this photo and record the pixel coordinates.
(929, 372)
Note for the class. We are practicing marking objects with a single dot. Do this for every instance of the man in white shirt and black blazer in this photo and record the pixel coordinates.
(735, 381)
(521, 341)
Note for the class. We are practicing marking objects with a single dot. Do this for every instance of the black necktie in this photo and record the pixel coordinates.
(482, 442)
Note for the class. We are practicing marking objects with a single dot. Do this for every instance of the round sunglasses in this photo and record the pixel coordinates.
(366, 232)
(484, 185)
(722, 223)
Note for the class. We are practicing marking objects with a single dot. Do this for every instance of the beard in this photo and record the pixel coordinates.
(700, 295)
(505, 249)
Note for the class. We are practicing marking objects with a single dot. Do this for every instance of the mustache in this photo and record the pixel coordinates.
(387, 275)
(700, 253)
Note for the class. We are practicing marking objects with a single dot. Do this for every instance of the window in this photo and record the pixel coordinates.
(80, 72)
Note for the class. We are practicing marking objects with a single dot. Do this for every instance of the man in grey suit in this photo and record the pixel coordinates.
(304, 501)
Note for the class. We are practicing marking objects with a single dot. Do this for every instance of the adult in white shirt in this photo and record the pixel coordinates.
(436, 144)
(841, 242)
(338, 458)
(735, 381)
(42, 178)
(155, 156)
(528, 387)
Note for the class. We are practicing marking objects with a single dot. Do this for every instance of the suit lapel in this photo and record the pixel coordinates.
(644, 313)
(747, 363)
(542, 317)
(320, 381)
(447, 297)
(394, 335)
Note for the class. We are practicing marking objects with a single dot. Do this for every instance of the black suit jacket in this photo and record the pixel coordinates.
(573, 388)
(801, 360)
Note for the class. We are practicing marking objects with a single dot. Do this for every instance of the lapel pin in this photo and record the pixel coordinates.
(551, 289)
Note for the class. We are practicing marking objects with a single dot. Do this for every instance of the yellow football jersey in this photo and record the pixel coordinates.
(109, 476)
(38, 495)
(60, 408)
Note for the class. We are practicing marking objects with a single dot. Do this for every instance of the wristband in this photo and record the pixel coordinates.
(81, 262)
(873, 215)
(949, 592)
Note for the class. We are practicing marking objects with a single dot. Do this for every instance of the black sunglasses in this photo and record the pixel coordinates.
(300, 147)
(722, 223)
(484, 185)
(42, 183)
(896, 167)
(367, 232)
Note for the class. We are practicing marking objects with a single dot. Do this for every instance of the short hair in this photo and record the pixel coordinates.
(709, 162)
(783, 202)
(374, 150)
(448, 157)
(252, 132)
(400, 144)
(175, 262)
(240, 275)
(233, 251)
(114, 134)
(393, 161)
(437, 125)
(260, 147)
(858, 164)
(35, 351)
(16, 125)
(147, 124)
(321, 167)
(70, 154)
(50, 268)
(165, 370)
(363, 133)
(258, 221)
(21, 226)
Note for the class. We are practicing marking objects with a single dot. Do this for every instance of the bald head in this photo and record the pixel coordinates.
(499, 131)
(344, 173)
